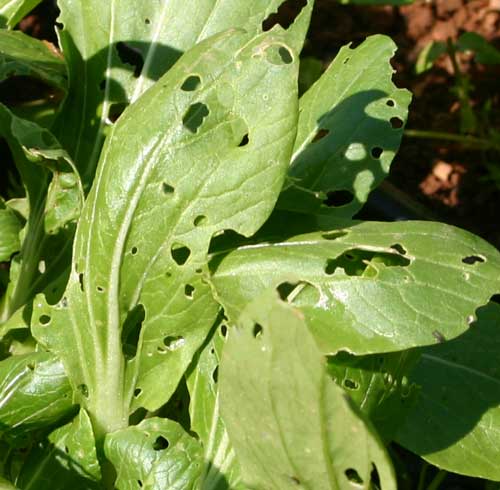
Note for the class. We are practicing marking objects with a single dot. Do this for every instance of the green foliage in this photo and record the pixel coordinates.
(189, 302)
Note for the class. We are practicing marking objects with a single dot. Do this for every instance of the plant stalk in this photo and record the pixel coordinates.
(483, 144)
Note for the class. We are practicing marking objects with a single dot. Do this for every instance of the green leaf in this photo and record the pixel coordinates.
(485, 52)
(55, 199)
(172, 175)
(34, 393)
(66, 460)
(291, 426)
(431, 52)
(156, 454)
(379, 386)
(22, 55)
(220, 466)
(369, 287)
(456, 421)
(10, 226)
(350, 127)
(113, 56)
(12, 11)
(6, 485)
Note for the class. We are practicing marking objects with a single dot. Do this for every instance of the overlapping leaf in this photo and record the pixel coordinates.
(10, 226)
(370, 287)
(455, 424)
(199, 153)
(350, 127)
(154, 455)
(12, 11)
(116, 50)
(292, 426)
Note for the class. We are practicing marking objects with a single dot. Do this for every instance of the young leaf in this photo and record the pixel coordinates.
(10, 226)
(67, 459)
(12, 11)
(456, 420)
(219, 460)
(291, 426)
(34, 393)
(371, 287)
(176, 170)
(350, 127)
(113, 57)
(22, 55)
(156, 454)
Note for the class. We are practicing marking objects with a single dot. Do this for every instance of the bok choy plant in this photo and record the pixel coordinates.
(187, 300)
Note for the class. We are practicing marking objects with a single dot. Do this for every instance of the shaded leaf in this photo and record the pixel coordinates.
(290, 425)
(456, 421)
(10, 226)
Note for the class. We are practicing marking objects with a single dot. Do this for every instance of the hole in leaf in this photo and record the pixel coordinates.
(180, 253)
(353, 476)
(167, 188)
(80, 280)
(294, 480)
(100, 289)
(41, 266)
(397, 123)
(133, 251)
(320, 134)
(473, 259)
(173, 343)
(147, 21)
(333, 235)
(139, 482)
(116, 110)
(257, 330)
(83, 389)
(131, 330)
(350, 384)
(160, 444)
(189, 291)
(200, 220)
(357, 262)
(495, 298)
(44, 319)
(390, 103)
(439, 336)
(194, 117)
(31, 366)
(215, 374)
(377, 152)
(285, 15)
(278, 55)
(346, 60)
(375, 477)
(399, 248)
(244, 141)
(130, 56)
(191, 83)
(285, 288)
(338, 198)
(137, 392)
(223, 330)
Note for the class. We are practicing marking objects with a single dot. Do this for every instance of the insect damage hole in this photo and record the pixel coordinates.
(350, 384)
(285, 15)
(244, 141)
(390, 103)
(167, 189)
(276, 54)
(173, 343)
(180, 253)
(189, 291)
(338, 198)
(200, 220)
(320, 134)
(130, 56)
(257, 331)
(377, 152)
(160, 444)
(194, 117)
(353, 476)
(473, 259)
(396, 122)
(44, 319)
(191, 83)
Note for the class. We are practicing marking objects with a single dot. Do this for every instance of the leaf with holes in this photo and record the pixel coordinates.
(155, 454)
(289, 423)
(173, 171)
(113, 56)
(456, 420)
(370, 287)
(350, 127)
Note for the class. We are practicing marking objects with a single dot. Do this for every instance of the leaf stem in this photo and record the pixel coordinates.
(484, 144)
(422, 476)
(438, 479)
